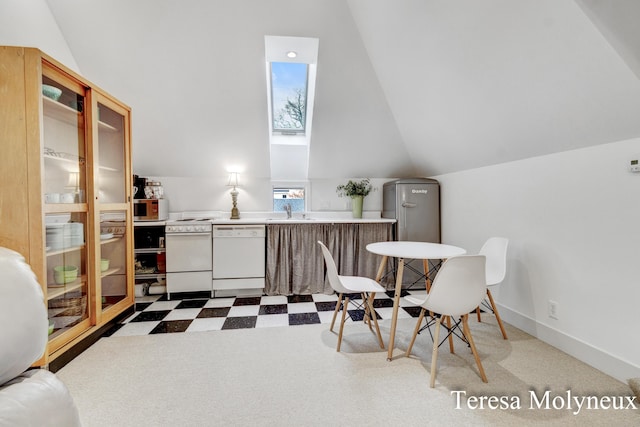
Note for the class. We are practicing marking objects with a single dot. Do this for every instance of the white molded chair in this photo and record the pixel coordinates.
(495, 249)
(457, 289)
(350, 285)
(28, 397)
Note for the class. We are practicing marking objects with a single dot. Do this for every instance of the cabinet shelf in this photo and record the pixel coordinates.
(64, 157)
(66, 114)
(149, 250)
(107, 127)
(61, 112)
(71, 158)
(55, 291)
(109, 272)
(64, 250)
(147, 276)
(110, 240)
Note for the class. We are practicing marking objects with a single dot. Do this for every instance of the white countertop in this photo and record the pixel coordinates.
(341, 217)
(302, 221)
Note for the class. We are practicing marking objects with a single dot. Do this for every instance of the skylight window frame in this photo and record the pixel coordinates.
(289, 131)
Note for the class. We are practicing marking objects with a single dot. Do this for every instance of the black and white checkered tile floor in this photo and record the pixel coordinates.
(196, 312)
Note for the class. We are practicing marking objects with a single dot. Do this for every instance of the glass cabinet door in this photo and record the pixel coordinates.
(66, 213)
(112, 184)
(113, 258)
(64, 143)
(67, 276)
(111, 155)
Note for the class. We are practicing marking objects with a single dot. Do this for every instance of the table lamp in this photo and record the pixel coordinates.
(74, 184)
(233, 182)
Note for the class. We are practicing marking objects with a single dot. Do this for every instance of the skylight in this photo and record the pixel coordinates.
(289, 96)
(291, 64)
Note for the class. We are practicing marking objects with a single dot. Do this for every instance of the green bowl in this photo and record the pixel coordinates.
(104, 264)
(51, 92)
(64, 274)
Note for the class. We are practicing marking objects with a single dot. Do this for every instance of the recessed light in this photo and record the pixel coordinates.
(291, 54)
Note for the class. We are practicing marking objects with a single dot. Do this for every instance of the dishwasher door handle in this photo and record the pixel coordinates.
(206, 233)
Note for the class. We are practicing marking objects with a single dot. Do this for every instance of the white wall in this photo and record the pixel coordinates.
(476, 83)
(194, 75)
(573, 220)
(30, 23)
(212, 194)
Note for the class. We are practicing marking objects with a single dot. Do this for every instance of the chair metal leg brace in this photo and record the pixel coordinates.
(466, 332)
(451, 330)
(369, 314)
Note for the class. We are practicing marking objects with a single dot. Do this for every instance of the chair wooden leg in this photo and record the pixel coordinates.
(415, 332)
(478, 311)
(425, 268)
(495, 311)
(451, 350)
(467, 334)
(370, 299)
(367, 313)
(335, 312)
(372, 313)
(344, 313)
(434, 355)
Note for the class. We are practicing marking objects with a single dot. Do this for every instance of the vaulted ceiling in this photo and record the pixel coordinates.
(404, 87)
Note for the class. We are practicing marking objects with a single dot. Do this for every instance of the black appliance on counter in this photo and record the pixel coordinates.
(139, 183)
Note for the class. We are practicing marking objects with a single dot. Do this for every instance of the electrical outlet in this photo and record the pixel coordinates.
(553, 309)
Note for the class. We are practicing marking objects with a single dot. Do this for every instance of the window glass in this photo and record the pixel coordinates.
(293, 197)
(289, 96)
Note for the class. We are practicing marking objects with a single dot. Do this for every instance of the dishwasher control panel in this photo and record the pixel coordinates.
(238, 231)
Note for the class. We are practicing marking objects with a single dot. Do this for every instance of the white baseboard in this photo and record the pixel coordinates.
(595, 357)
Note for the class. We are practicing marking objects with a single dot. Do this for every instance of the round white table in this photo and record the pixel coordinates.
(409, 250)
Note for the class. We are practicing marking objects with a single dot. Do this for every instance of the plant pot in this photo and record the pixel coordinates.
(356, 206)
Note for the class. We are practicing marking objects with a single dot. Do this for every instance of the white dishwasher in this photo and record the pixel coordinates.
(238, 260)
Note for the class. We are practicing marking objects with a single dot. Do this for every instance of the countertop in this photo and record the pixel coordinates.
(276, 218)
(268, 221)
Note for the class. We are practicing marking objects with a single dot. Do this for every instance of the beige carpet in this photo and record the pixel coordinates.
(293, 376)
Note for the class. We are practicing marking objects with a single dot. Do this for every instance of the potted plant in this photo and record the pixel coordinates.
(357, 190)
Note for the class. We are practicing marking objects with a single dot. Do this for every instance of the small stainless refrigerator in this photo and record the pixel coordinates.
(415, 204)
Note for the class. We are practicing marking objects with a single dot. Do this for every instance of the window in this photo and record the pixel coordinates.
(289, 96)
(292, 196)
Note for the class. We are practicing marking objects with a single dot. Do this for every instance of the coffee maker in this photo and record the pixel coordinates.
(139, 183)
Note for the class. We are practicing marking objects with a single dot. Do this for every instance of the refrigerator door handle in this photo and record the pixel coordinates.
(409, 205)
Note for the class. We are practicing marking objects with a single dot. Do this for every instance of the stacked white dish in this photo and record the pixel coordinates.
(65, 235)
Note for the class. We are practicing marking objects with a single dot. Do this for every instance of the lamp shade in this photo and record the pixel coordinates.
(74, 180)
(233, 179)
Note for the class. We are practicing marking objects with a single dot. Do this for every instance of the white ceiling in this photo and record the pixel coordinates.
(409, 87)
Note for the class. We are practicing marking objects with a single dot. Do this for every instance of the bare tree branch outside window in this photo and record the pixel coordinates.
(292, 115)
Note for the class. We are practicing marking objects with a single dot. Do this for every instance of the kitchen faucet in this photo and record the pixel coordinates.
(287, 208)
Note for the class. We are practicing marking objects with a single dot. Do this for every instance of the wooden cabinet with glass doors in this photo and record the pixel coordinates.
(66, 193)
